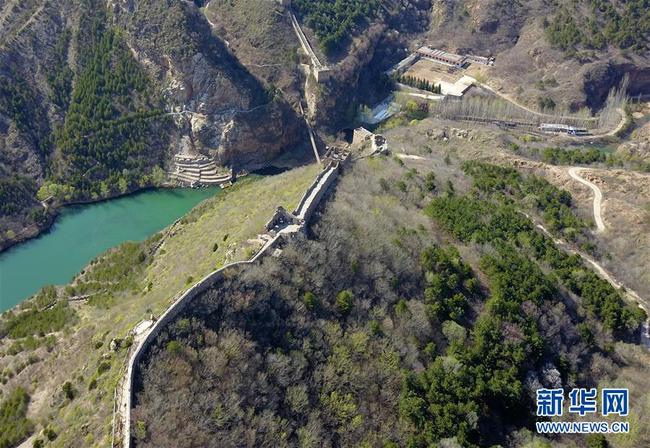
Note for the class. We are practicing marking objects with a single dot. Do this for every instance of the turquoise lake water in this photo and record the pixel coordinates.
(82, 232)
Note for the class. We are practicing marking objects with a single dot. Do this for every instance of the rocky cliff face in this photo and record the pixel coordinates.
(637, 148)
(356, 74)
(233, 114)
(226, 80)
(600, 77)
(217, 106)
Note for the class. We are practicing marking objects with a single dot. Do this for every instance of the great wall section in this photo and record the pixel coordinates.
(282, 227)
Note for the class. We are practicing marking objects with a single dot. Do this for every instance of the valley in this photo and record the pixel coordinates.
(452, 212)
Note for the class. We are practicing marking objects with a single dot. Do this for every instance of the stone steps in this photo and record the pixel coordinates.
(183, 169)
(196, 165)
(185, 178)
(215, 179)
(213, 171)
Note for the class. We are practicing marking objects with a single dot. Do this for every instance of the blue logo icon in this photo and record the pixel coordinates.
(550, 402)
(583, 401)
(615, 401)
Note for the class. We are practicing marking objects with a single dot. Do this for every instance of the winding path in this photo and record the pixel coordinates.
(630, 294)
(598, 197)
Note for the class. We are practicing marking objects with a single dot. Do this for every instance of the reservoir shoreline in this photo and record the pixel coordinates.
(34, 230)
(82, 231)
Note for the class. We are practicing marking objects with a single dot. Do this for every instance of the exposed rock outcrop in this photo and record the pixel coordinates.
(251, 139)
(638, 146)
(600, 77)
(234, 116)
(218, 108)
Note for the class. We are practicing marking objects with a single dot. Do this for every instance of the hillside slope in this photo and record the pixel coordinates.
(90, 102)
(571, 52)
(394, 327)
(50, 339)
(95, 101)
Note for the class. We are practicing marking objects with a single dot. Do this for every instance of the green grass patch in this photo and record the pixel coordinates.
(37, 322)
(14, 425)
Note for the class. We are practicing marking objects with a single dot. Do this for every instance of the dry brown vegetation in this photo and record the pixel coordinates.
(528, 67)
(316, 347)
(80, 351)
(624, 246)
(261, 37)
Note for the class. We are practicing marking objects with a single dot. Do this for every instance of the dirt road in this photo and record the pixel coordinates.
(630, 294)
(598, 197)
(621, 124)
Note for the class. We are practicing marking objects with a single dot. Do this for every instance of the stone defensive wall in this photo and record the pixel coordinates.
(318, 190)
(166, 318)
(310, 190)
(307, 206)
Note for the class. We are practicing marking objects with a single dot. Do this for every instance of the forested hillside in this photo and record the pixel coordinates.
(563, 53)
(333, 22)
(398, 327)
(107, 142)
(86, 93)
(621, 24)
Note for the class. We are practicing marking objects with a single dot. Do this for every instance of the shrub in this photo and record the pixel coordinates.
(545, 103)
(430, 182)
(68, 390)
(183, 326)
(596, 441)
(344, 302)
(50, 433)
(140, 430)
(375, 328)
(174, 347)
(401, 308)
(34, 322)
(103, 366)
(311, 302)
(585, 333)
(14, 425)
(416, 111)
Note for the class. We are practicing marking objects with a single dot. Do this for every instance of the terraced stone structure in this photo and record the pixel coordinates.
(195, 171)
